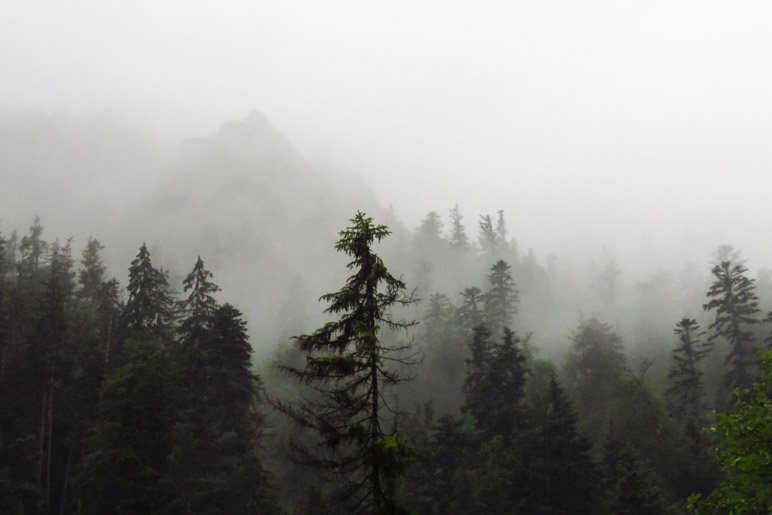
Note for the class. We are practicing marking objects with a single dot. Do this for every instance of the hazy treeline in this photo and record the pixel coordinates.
(145, 400)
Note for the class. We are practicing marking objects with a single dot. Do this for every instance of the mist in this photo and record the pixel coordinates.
(619, 145)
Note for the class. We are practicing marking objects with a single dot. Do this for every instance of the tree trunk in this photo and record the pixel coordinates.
(65, 482)
(50, 441)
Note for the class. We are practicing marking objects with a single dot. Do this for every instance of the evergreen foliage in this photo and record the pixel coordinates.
(501, 298)
(595, 366)
(733, 297)
(458, 237)
(564, 476)
(686, 391)
(346, 365)
(149, 308)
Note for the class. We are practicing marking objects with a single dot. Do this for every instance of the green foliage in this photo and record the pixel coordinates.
(346, 365)
(126, 453)
(594, 369)
(501, 298)
(733, 297)
(149, 308)
(744, 451)
(631, 486)
(458, 237)
(563, 476)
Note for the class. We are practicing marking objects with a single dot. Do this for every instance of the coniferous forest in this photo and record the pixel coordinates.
(145, 395)
(428, 257)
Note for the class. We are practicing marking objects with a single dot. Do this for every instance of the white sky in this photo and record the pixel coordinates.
(582, 119)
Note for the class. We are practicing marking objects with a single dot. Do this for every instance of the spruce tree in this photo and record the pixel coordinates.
(686, 390)
(215, 463)
(594, 370)
(149, 308)
(470, 313)
(487, 237)
(196, 311)
(564, 475)
(733, 297)
(494, 385)
(346, 364)
(101, 293)
(458, 237)
(126, 454)
(450, 445)
(630, 485)
(501, 228)
(501, 298)
(430, 230)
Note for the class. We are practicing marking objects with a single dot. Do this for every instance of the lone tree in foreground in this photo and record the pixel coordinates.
(347, 366)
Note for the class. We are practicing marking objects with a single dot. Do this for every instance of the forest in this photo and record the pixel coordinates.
(409, 396)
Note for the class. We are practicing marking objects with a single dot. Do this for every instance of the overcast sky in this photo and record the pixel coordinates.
(579, 118)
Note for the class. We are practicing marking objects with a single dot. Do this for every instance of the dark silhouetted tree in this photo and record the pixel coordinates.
(733, 297)
(347, 365)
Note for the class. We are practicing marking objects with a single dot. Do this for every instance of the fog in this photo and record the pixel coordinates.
(615, 146)
(608, 120)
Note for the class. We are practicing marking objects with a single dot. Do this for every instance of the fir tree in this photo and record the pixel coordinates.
(430, 230)
(215, 463)
(594, 370)
(458, 237)
(565, 478)
(346, 365)
(450, 446)
(470, 313)
(101, 293)
(148, 309)
(686, 384)
(487, 237)
(733, 297)
(494, 385)
(127, 452)
(501, 228)
(501, 299)
(631, 486)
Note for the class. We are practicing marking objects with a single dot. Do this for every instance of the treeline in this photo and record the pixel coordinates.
(142, 402)
(145, 401)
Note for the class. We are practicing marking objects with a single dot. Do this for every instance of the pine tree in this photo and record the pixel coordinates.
(32, 249)
(101, 293)
(565, 477)
(487, 237)
(346, 365)
(470, 313)
(594, 369)
(501, 228)
(733, 297)
(430, 230)
(438, 317)
(93, 273)
(51, 347)
(458, 237)
(501, 299)
(450, 447)
(196, 311)
(126, 453)
(215, 464)
(686, 389)
(148, 309)
(495, 383)
(631, 487)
